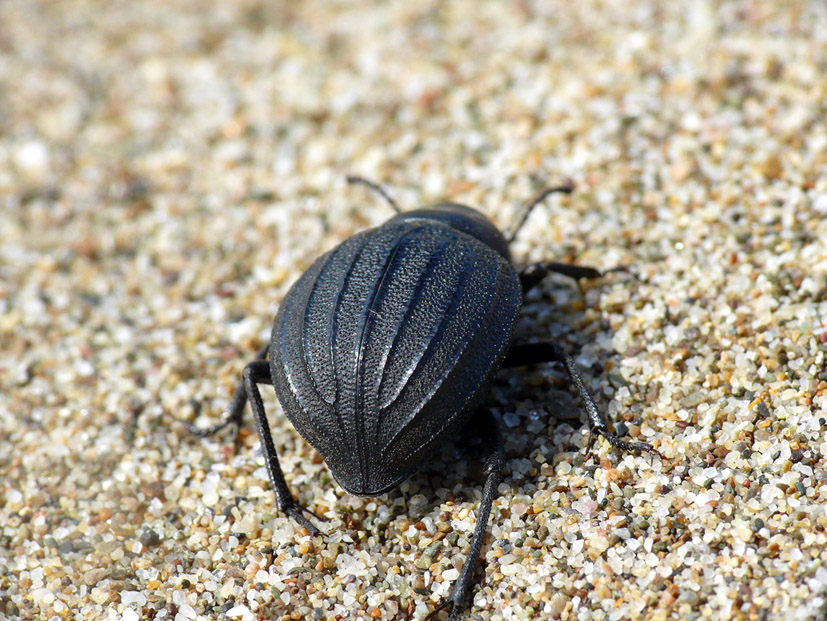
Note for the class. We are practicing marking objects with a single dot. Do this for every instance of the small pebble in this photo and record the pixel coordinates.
(150, 538)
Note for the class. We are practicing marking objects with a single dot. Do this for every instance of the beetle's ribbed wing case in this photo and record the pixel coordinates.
(382, 347)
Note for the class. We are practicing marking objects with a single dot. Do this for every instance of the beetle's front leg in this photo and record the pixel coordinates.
(259, 373)
(534, 273)
(484, 421)
(546, 351)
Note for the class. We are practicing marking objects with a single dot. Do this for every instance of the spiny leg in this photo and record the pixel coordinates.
(236, 409)
(546, 351)
(534, 273)
(489, 429)
(255, 373)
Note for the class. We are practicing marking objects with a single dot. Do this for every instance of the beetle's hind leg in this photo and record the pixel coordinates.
(546, 351)
(255, 373)
(484, 424)
(236, 409)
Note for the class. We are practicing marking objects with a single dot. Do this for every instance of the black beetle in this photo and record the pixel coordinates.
(384, 348)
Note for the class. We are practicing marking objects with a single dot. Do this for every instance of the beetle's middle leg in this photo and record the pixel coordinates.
(532, 274)
(484, 424)
(546, 351)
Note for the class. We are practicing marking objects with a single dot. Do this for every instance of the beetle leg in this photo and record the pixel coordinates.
(494, 463)
(255, 373)
(534, 273)
(236, 409)
(546, 351)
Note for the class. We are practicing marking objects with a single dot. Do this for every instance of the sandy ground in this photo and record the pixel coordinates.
(167, 170)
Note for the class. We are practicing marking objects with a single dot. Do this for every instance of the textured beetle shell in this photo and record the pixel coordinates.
(382, 348)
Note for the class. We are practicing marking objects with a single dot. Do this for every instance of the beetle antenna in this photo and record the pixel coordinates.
(526, 211)
(376, 188)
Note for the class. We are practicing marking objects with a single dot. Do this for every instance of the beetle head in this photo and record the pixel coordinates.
(462, 218)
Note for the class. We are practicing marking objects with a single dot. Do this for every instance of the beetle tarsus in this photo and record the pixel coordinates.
(445, 603)
(546, 351)
(232, 417)
(235, 411)
(321, 518)
(622, 445)
(204, 432)
(296, 512)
